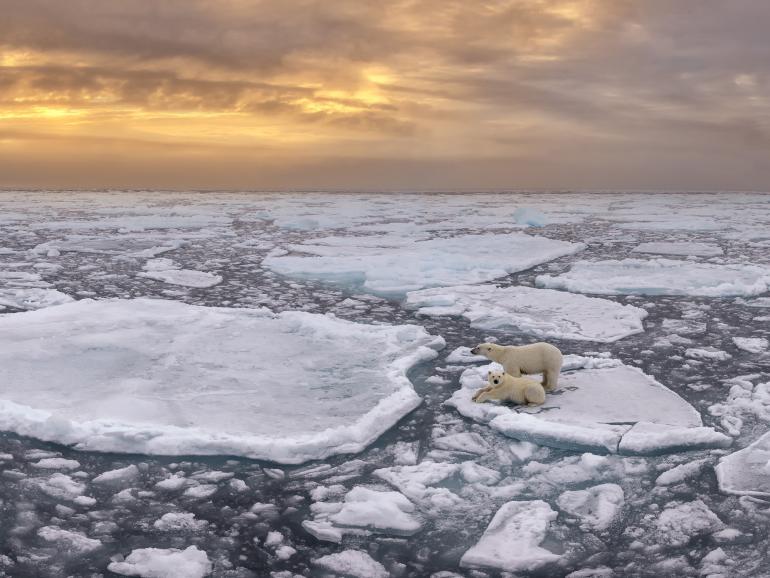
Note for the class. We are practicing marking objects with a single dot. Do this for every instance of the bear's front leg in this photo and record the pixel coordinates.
(480, 391)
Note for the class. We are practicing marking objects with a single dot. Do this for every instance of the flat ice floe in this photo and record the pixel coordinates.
(129, 245)
(660, 277)
(512, 540)
(167, 271)
(604, 407)
(541, 312)
(747, 472)
(690, 248)
(119, 375)
(394, 265)
(26, 290)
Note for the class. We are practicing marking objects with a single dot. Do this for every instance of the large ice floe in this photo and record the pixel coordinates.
(512, 541)
(394, 265)
(120, 375)
(541, 312)
(660, 277)
(747, 472)
(601, 405)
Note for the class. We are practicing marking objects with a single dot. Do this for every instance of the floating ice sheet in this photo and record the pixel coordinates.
(512, 540)
(169, 272)
(660, 277)
(119, 375)
(747, 471)
(541, 312)
(391, 265)
(595, 409)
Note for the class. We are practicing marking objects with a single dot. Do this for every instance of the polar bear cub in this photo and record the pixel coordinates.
(504, 387)
(525, 359)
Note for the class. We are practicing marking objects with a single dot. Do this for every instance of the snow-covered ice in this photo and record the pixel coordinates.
(660, 277)
(691, 248)
(164, 563)
(747, 471)
(541, 312)
(73, 543)
(596, 507)
(512, 541)
(678, 523)
(167, 271)
(372, 510)
(595, 408)
(221, 387)
(352, 564)
(393, 266)
(752, 344)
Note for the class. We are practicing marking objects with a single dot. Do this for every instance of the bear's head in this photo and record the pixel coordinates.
(485, 349)
(496, 377)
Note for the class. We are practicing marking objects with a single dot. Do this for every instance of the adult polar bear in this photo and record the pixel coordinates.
(525, 359)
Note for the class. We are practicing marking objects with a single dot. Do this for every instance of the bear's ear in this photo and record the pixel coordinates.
(489, 373)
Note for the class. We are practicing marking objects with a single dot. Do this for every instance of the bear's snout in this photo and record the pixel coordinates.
(475, 350)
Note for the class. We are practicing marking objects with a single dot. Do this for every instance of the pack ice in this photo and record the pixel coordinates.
(541, 312)
(660, 277)
(163, 377)
(601, 405)
(394, 265)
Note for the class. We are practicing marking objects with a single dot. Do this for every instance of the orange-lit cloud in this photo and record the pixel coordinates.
(380, 95)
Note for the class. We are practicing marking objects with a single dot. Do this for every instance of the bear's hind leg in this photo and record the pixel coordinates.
(550, 379)
(534, 395)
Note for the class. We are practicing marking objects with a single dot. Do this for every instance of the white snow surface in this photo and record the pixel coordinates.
(512, 540)
(660, 277)
(394, 265)
(541, 312)
(747, 471)
(160, 563)
(169, 272)
(690, 248)
(594, 408)
(118, 375)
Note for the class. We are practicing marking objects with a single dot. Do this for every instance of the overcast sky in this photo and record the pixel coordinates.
(359, 94)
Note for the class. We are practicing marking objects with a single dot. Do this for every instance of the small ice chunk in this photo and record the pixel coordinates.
(677, 524)
(474, 473)
(73, 543)
(512, 540)
(323, 530)
(201, 492)
(179, 522)
(60, 486)
(376, 510)
(352, 563)
(747, 472)
(468, 442)
(529, 216)
(56, 464)
(169, 272)
(120, 477)
(681, 472)
(596, 507)
(707, 353)
(273, 539)
(751, 344)
(160, 563)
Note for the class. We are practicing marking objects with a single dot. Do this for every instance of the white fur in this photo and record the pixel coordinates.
(504, 387)
(526, 359)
